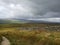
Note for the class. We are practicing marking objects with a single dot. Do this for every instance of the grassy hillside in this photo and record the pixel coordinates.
(25, 37)
(30, 37)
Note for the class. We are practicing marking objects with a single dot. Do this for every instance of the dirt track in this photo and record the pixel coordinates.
(5, 41)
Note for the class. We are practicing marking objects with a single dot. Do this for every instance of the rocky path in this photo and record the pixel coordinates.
(5, 41)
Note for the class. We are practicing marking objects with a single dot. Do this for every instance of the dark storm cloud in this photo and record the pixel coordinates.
(48, 8)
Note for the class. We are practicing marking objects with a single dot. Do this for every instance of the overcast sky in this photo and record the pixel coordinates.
(30, 9)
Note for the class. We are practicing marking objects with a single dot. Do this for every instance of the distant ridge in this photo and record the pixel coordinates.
(14, 20)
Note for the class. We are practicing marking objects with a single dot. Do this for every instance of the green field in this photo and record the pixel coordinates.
(31, 37)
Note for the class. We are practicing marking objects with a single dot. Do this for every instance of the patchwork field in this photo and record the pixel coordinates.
(16, 36)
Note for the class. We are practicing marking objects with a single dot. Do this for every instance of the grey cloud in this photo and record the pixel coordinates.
(35, 8)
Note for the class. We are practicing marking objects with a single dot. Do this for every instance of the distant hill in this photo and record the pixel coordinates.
(4, 21)
(32, 21)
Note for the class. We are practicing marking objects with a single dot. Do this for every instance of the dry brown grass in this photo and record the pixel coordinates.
(26, 37)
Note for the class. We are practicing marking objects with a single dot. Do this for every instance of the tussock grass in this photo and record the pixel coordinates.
(33, 37)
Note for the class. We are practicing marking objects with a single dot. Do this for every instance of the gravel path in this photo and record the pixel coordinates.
(5, 41)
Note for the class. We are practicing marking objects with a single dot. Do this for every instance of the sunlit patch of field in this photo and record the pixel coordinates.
(33, 37)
